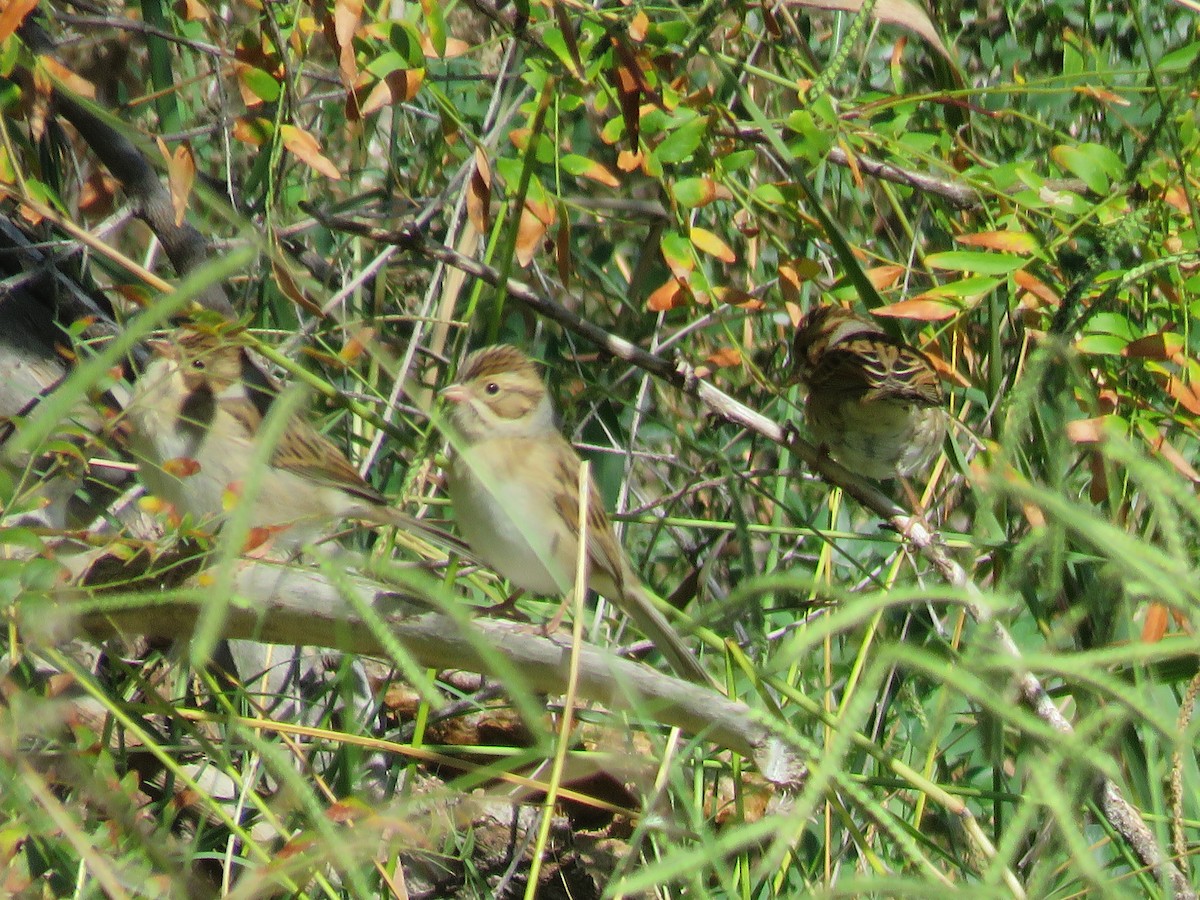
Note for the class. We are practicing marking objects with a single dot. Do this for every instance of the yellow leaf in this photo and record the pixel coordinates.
(709, 243)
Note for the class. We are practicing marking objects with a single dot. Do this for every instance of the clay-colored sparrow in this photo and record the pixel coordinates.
(874, 402)
(514, 483)
(196, 413)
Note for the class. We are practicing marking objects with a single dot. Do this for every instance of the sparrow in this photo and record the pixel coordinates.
(196, 414)
(874, 403)
(514, 485)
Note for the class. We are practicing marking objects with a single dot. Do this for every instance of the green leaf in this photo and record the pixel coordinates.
(768, 193)
(974, 261)
(261, 85)
(1095, 165)
(682, 142)
(436, 23)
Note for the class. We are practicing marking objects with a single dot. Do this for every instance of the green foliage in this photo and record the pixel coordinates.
(695, 176)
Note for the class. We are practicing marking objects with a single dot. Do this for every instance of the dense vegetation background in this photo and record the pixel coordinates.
(1013, 185)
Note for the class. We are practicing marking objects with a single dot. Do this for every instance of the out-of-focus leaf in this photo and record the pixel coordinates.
(709, 243)
(589, 168)
(181, 175)
(681, 142)
(677, 252)
(305, 148)
(346, 16)
(1003, 241)
(1162, 345)
(13, 15)
(669, 295)
(479, 193)
(1097, 166)
(921, 309)
(435, 22)
(905, 13)
(536, 218)
(970, 261)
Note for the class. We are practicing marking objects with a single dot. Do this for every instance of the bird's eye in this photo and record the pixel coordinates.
(199, 365)
(492, 389)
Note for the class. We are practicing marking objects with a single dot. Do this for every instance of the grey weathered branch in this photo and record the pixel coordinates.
(293, 605)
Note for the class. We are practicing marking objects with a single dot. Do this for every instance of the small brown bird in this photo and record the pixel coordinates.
(196, 415)
(874, 402)
(514, 483)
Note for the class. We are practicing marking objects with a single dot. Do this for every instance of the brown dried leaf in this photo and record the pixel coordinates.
(346, 16)
(905, 13)
(536, 218)
(1162, 345)
(395, 87)
(181, 175)
(479, 193)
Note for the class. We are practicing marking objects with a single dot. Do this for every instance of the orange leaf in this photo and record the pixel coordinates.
(181, 467)
(1036, 288)
(918, 309)
(192, 11)
(671, 294)
(1006, 241)
(709, 243)
(454, 47)
(725, 357)
(535, 219)
(884, 277)
(181, 175)
(1168, 452)
(639, 26)
(13, 15)
(1100, 94)
(479, 193)
(305, 148)
(1185, 395)
(629, 160)
(738, 297)
(395, 87)
(254, 132)
(562, 251)
(1155, 626)
(795, 313)
(945, 371)
(600, 173)
(1162, 345)
(1087, 431)
(346, 16)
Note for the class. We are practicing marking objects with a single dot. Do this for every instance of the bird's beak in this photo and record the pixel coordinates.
(455, 393)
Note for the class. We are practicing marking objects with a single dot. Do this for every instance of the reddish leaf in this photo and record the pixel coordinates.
(1037, 289)
(1004, 241)
(562, 252)
(639, 26)
(1162, 345)
(629, 160)
(1184, 394)
(1100, 94)
(254, 132)
(192, 11)
(884, 277)
(671, 294)
(1167, 451)
(1087, 431)
(918, 309)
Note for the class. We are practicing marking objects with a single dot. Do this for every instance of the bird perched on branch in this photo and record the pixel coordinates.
(874, 403)
(514, 484)
(199, 413)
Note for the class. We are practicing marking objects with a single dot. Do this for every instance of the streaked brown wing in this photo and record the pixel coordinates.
(603, 552)
(875, 369)
(305, 451)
